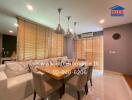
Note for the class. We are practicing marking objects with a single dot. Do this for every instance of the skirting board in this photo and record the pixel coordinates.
(112, 72)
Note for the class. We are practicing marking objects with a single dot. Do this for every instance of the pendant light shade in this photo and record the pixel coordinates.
(75, 34)
(59, 29)
(68, 33)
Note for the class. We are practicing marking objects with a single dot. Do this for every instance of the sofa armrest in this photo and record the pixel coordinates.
(3, 86)
(3, 80)
(2, 67)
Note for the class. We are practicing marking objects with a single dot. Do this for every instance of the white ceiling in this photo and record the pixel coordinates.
(7, 23)
(86, 12)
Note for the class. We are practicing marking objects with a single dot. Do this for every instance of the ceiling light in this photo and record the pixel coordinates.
(10, 31)
(16, 24)
(30, 7)
(75, 36)
(59, 28)
(101, 21)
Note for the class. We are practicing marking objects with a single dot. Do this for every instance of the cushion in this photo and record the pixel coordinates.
(25, 65)
(46, 62)
(40, 62)
(53, 61)
(19, 87)
(34, 64)
(19, 79)
(14, 69)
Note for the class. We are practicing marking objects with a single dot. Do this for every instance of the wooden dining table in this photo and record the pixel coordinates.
(60, 73)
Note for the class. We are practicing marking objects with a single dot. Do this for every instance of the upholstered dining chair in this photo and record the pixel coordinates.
(44, 86)
(90, 71)
(77, 82)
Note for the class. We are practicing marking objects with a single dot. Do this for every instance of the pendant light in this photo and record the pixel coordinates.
(59, 29)
(75, 36)
(68, 33)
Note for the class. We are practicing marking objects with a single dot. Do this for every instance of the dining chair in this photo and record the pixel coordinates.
(90, 71)
(44, 86)
(77, 82)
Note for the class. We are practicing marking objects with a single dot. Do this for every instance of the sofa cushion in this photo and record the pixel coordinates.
(53, 61)
(19, 79)
(34, 65)
(25, 65)
(40, 62)
(14, 69)
(20, 87)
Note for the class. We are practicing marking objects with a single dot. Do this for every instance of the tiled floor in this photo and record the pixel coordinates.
(105, 87)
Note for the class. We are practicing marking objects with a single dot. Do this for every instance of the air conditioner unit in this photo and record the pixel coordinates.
(86, 35)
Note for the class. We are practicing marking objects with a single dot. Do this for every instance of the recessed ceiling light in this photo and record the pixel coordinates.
(30, 7)
(10, 31)
(16, 24)
(101, 21)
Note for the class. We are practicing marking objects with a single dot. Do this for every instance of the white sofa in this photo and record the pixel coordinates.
(15, 88)
(20, 86)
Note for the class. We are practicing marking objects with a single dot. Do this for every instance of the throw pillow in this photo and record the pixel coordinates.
(14, 69)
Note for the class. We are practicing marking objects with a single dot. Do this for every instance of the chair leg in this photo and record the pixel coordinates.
(78, 95)
(86, 88)
(34, 95)
(60, 92)
(42, 98)
(91, 81)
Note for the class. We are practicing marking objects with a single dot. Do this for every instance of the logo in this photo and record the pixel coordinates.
(117, 10)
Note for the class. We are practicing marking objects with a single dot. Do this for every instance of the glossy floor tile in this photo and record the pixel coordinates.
(128, 79)
(105, 87)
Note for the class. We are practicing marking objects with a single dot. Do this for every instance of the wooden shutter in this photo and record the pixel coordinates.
(40, 43)
(35, 41)
(21, 40)
(54, 45)
(30, 41)
(84, 48)
(60, 42)
(90, 49)
(79, 49)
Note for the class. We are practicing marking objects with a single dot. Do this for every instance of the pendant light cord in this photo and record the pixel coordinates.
(75, 23)
(59, 11)
(68, 17)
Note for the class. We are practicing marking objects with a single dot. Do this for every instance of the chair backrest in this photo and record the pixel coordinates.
(38, 83)
(89, 73)
(82, 78)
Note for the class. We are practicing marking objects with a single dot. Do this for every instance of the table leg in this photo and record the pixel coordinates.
(63, 87)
